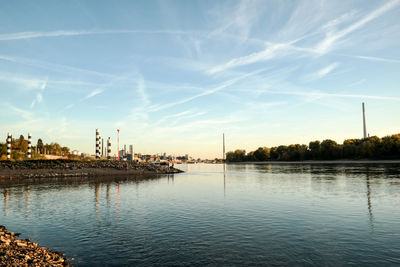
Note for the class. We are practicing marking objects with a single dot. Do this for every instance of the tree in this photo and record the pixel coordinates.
(237, 156)
(330, 149)
(262, 154)
(65, 150)
(315, 149)
(40, 146)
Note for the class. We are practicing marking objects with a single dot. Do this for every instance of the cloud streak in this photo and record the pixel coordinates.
(379, 59)
(320, 94)
(66, 33)
(204, 93)
(331, 37)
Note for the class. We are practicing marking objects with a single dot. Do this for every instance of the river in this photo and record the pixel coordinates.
(245, 214)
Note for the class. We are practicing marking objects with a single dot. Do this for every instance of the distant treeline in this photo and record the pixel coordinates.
(19, 148)
(373, 147)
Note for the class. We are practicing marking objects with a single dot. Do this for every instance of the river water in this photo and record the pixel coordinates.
(271, 214)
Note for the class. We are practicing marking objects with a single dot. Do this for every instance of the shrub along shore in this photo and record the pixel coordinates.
(27, 169)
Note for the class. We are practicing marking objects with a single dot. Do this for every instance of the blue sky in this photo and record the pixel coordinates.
(174, 75)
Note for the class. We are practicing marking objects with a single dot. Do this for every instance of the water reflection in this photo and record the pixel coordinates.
(224, 180)
(6, 200)
(108, 195)
(27, 201)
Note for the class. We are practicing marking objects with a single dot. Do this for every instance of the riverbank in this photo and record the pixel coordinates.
(320, 162)
(29, 169)
(23, 252)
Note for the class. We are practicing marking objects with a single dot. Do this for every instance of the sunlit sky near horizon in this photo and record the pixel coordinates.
(174, 75)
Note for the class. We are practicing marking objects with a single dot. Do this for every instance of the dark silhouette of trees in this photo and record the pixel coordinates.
(372, 147)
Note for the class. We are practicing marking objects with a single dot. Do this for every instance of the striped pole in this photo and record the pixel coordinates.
(9, 138)
(102, 147)
(99, 156)
(97, 144)
(109, 148)
(29, 152)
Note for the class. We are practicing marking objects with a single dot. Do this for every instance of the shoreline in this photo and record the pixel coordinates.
(32, 169)
(320, 162)
(19, 252)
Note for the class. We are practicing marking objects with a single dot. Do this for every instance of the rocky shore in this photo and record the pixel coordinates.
(29, 169)
(23, 252)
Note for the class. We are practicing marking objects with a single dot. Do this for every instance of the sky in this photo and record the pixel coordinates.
(174, 76)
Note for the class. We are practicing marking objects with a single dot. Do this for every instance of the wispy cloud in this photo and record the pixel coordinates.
(204, 93)
(25, 83)
(55, 67)
(326, 70)
(269, 53)
(333, 36)
(92, 94)
(361, 81)
(141, 89)
(379, 59)
(39, 95)
(321, 94)
(243, 17)
(65, 33)
(26, 115)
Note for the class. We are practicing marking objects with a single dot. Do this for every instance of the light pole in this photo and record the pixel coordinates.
(118, 143)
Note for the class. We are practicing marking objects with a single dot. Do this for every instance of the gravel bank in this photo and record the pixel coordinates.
(28, 169)
(23, 252)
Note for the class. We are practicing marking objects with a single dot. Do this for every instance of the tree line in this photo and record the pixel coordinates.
(373, 147)
(19, 147)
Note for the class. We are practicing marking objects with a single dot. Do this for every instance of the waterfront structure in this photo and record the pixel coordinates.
(9, 138)
(97, 144)
(29, 151)
(109, 148)
(102, 147)
(364, 123)
(131, 151)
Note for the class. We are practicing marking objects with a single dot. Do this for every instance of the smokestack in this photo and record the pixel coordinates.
(223, 147)
(364, 124)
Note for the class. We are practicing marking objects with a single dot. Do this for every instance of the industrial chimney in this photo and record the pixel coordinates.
(364, 124)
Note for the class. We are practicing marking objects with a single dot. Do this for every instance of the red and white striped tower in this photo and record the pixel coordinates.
(118, 143)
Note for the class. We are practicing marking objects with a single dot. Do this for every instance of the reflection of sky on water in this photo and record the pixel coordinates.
(281, 213)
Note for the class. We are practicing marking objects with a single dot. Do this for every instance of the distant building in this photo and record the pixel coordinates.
(131, 150)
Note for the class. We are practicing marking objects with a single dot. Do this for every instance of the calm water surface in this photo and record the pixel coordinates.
(279, 214)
